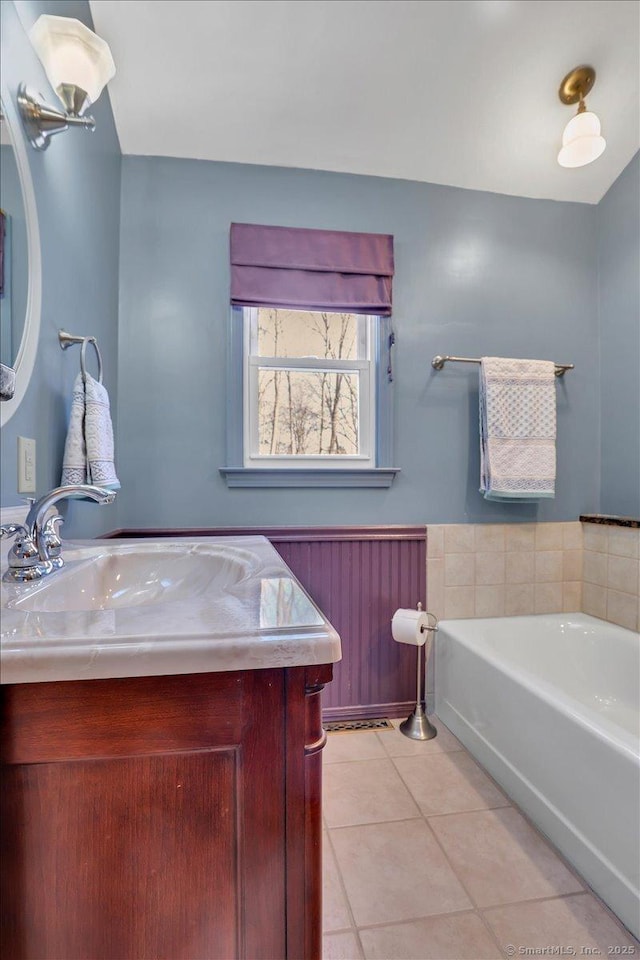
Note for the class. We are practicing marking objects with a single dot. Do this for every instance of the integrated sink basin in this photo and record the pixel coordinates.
(134, 608)
(129, 576)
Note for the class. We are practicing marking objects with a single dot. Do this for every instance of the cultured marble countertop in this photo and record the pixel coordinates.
(131, 608)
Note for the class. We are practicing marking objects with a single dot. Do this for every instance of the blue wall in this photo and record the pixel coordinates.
(619, 311)
(477, 274)
(77, 188)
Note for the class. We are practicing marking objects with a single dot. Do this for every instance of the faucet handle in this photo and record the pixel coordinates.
(12, 530)
(52, 540)
(49, 527)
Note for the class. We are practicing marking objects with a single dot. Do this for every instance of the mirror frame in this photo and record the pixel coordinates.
(26, 356)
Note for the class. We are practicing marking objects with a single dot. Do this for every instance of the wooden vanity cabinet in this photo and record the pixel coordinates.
(163, 818)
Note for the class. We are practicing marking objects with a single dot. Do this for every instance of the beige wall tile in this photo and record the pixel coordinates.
(622, 574)
(572, 596)
(547, 598)
(622, 608)
(459, 569)
(469, 565)
(459, 602)
(594, 600)
(435, 541)
(624, 542)
(489, 537)
(572, 565)
(490, 601)
(595, 567)
(549, 536)
(520, 536)
(458, 538)
(595, 537)
(490, 568)
(572, 535)
(548, 566)
(518, 599)
(435, 586)
(519, 567)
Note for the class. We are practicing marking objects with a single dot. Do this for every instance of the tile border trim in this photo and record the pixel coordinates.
(611, 521)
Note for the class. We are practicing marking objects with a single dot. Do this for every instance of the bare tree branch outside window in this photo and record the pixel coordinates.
(314, 411)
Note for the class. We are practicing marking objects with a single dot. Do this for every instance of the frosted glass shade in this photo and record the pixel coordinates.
(73, 55)
(581, 141)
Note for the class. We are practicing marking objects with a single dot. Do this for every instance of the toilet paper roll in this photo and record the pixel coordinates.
(407, 627)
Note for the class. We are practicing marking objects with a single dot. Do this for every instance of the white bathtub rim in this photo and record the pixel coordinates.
(620, 739)
(617, 737)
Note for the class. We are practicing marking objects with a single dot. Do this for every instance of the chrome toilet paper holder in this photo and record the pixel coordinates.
(417, 726)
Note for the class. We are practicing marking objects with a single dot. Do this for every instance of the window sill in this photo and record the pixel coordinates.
(308, 477)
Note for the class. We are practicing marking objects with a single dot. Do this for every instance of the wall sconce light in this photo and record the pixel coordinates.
(78, 64)
(581, 140)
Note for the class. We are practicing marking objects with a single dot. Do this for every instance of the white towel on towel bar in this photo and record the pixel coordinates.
(88, 451)
(517, 429)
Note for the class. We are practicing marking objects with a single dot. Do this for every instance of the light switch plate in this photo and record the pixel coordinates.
(26, 465)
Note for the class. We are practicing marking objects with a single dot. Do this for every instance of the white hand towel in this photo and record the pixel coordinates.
(88, 452)
(517, 429)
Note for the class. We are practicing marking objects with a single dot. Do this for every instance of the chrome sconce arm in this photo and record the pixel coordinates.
(41, 121)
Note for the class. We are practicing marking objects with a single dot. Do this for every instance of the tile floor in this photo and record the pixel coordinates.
(426, 859)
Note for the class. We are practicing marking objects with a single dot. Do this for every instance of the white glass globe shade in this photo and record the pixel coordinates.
(581, 141)
(72, 54)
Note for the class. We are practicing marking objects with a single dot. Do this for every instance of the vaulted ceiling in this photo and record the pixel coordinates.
(460, 92)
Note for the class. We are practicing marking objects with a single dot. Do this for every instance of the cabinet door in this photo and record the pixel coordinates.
(144, 818)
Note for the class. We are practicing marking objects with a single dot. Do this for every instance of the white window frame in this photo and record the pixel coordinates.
(366, 368)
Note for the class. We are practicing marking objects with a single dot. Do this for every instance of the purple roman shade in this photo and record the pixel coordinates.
(311, 269)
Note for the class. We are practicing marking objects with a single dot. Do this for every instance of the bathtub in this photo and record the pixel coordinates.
(549, 705)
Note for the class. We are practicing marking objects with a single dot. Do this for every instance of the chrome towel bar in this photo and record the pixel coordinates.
(438, 363)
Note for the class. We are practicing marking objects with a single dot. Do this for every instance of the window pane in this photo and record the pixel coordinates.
(300, 333)
(309, 413)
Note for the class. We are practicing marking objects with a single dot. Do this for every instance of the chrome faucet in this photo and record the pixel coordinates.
(37, 548)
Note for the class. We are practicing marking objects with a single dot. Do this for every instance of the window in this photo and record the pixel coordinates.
(309, 399)
(309, 389)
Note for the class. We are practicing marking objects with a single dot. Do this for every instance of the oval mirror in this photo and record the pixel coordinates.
(19, 259)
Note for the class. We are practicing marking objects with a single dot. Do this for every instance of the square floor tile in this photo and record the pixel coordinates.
(397, 745)
(449, 783)
(396, 871)
(335, 912)
(578, 922)
(341, 946)
(365, 791)
(460, 936)
(352, 745)
(500, 858)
